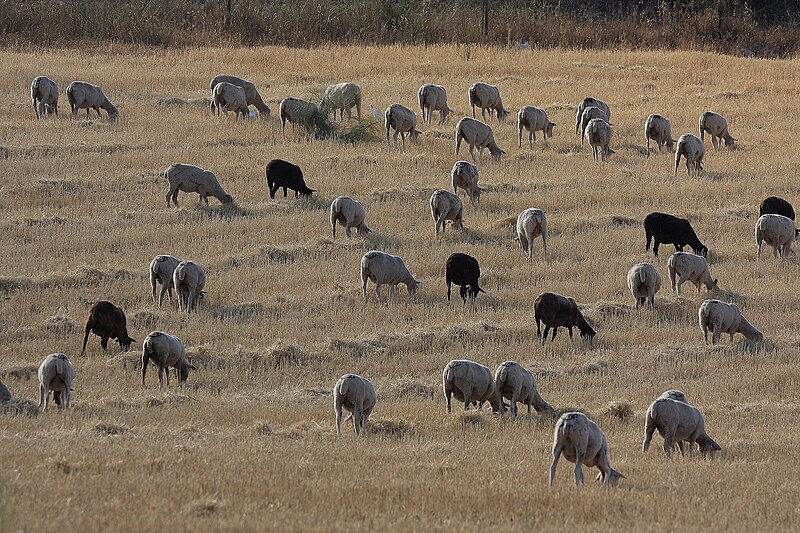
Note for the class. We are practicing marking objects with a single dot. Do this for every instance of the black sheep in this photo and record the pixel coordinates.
(463, 270)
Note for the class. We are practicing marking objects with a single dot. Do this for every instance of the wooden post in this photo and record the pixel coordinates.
(485, 19)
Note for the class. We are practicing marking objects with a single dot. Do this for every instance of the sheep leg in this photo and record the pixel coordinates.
(578, 470)
(555, 330)
(284, 192)
(145, 361)
(449, 397)
(86, 337)
(715, 142)
(717, 331)
(202, 192)
(174, 198)
(392, 292)
(775, 252)
(338, 409)
(669, 440)
(365, 419)
(42, 396)
(448, 291)
(513, 404)
(655, 246)
(557, 449)
(546, 331)
(378, 292)
(161, 377)
(164, 289)
(104, 343)
(467, 394)
(65, 398)
(347, 227)
(472, 151)
(570, 333)
(650, 427)
(357, 419)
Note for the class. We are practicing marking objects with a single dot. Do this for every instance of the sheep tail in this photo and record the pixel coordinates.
(680, 151)
(60, 366)
(343, 386)
(422, 105)
(642, 275)
(502, 376)
(34, 89)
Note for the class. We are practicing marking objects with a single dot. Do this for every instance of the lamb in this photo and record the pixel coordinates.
(297, 111)
(776, 206)
(588, 114)
(684, 267)
(515, 383)
(530, 224)
(403, 121)
(82, 95)
(693, 150)
(464, 271)
(658, 129)
(250, 91)
(189, 178)
(582, 442)
(229, 97)
(56, 374)
(590, 102)
(189, 280)
(161, 269)
(721, 317)
(433, 98)
(477, 134)
(5, 394)
(357, 395)
(471, 383)
(487, 96)
(166, 351)
(778, 231)
(350, 214)
(557, 311)
(465, 175)
(717, 127)
(446, 206)
(385, 269)
(533, 119)
(286, 175)
(598, 134)
(107, 321)
(342, 96)
(677, 422)
(45, 91)
(644, 281)
(669, 229)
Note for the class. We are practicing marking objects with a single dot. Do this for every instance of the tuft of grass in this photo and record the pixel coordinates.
(620, 409)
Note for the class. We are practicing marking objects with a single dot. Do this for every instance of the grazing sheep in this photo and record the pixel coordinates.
(721, 317)
(286, 175)
(229, 97)
(778, 231)
(471, 383)
(582, 442)
(350, 214)
(45, 91)
(464, 271)
(477, 134)
(82, 95)
(515, 383)
(776, 206)
(677, 422)
(107, 321)
(658, 129)
(5, 394)
(385, 269)
(189, 178)
(296, 111)
(446, 206)
(590, 102)
(433, 98)
(250, 91)
(56, 374)
(166, 351)
(403, 121)
(342, 96)
(465, 175)
(693, 150)
(557, 311)
(717, 127)
(684, 267)
(588, 114)
(357, 395)
(598, 135)
(669, 229)
(161, 269)
(189, 280)
(644, 281)
(487, 96)
(533, 119)
(530, 224)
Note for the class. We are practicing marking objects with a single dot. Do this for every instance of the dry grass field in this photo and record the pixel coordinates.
(250, 442)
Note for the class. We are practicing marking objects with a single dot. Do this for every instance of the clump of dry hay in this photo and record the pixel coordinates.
(412, 388)
(61, 326)
(19, 407)
(384, 428)
(20, 372)
(509, 223)
(281, 356)
(618, 408)
(108, 429)
(204, 507)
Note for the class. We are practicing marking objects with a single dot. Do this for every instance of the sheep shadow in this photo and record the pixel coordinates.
(222, 212)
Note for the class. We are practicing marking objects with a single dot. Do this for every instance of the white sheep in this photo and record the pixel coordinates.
(166, 351)
(229, 97)
(403, 121)
(83, 95)
(721, 317)
(297, 111)
(515, 383)
(582, 442)
(590, 102)
(189, 178)
(531, 223)
(477, 134)
(350, 214)
(778, 231)
(693, 150)
(677, 422)
(433, 98)
(162, 267)
(487, 96)
(342, 96)
(644, 281)
(5, 394)
(446, 206)
(717, 127)
(189, 280)
(385, 269)
(55, 374)
(357, 395)
(251, 93)
(533, 119)
(465, 175)
(658, 129)
(45, 91)
(588, 114)
(685, 266)
(598, 135)
(469, 382)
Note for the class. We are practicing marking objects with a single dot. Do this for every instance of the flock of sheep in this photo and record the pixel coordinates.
(578, 438)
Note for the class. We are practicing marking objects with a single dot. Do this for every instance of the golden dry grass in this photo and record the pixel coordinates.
(250, 442)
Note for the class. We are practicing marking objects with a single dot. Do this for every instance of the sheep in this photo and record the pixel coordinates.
(588, 114)
(385, 269)
(189, 280)
(721, 317)
(776, 206)
(669, 229)
(166, 351)
(644, 281)
(465, 175)
(464, 271)
(487, 96)
(5, 394)
(161, 269)
(286, 175)
(693, 150)
(82, 95)
(778, 231)
(403, 121)
(45, 91)
(557, 311)
(342, 96)
(107, 321)
(297, 111)
(684, 266)
(717, 127)
(229, 97)
(658, 129)
(250, 91)
(477, 134)
(677, 422)
(189, 178)
(471, 383)
(598, 135)
(515, 383)
(582, 442)
(531, 223)
(533, 119)
(56, 374)
(357, 395)
(446, 206)
(590, 102)
(433, 98)
(350, 214)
